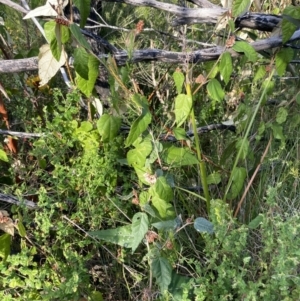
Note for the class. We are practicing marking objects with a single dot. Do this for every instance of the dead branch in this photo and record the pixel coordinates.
(13, 200)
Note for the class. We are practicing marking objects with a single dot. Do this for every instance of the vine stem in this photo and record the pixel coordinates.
(202, 167)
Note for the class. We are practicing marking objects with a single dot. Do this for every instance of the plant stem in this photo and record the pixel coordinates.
(246, 135)
(202, 166)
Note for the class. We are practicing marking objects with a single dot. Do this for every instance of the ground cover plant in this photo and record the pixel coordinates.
(149, 152)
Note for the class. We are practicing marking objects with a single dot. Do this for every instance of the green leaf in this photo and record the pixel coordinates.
(260, 73)
(172, 224)
(240, 7)
(179, 133)
(256, 221)
(144, 174)
(290, 22)
(108, 127)
(65, 34)
(179, 80)
(214, 178)
(282, 59)
(81, 62)
(179, 156)
(138, 155)
(96, 296)
(248, 50)
(21, 229)
(3, 155)
(138, 127)
(75, 30)
(162, 271)
(225, 66)
(85, 126)
(243, 146)
(87, 86)
(277, 131)
(215, 90)
(281, 115)
(55, 49)
(202, 225)
(288, 30)
(49, 28)
(183, 106)
(162, 190)
(139, 228)
(121, 236)
(164, 208)
(5, 243)
(238, 178)
(84, 7)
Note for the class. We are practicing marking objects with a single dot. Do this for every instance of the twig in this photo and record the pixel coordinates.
(13, 200)
(21, 134)
(252, 179)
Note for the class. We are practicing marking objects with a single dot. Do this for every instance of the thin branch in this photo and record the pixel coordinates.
(20, 134)
(203, 15)
(13, 200)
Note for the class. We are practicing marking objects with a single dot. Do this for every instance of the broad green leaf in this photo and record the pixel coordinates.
(137, 156)
(96, 296)
(162, 271)
(213, 178)
(165, 209)
(55, 49)
(162, 190)
(49, 28)
(121, 236)
(243, 146)
(282, 59)
(139, 228)
(179, 80)
(3, 155)
(179, 133)
(75, 30)
(5, 243)
(81, 62)
(225, 66)
(138, 127)
(248, 50)
(144, 174)
(108, 127)
(202, 225)
(240, 7)
(84, 7)
(290, 22)
(288, 30)
(179, 156)
(179, 286)
(87, 86)
(260, 73)
(256, 221)
(183, 106)
(85, 126)
(48, 65)
(277, 131)
(65, 34)
(215, 90)
(281, 115)
(172, 224)
(238, 179)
